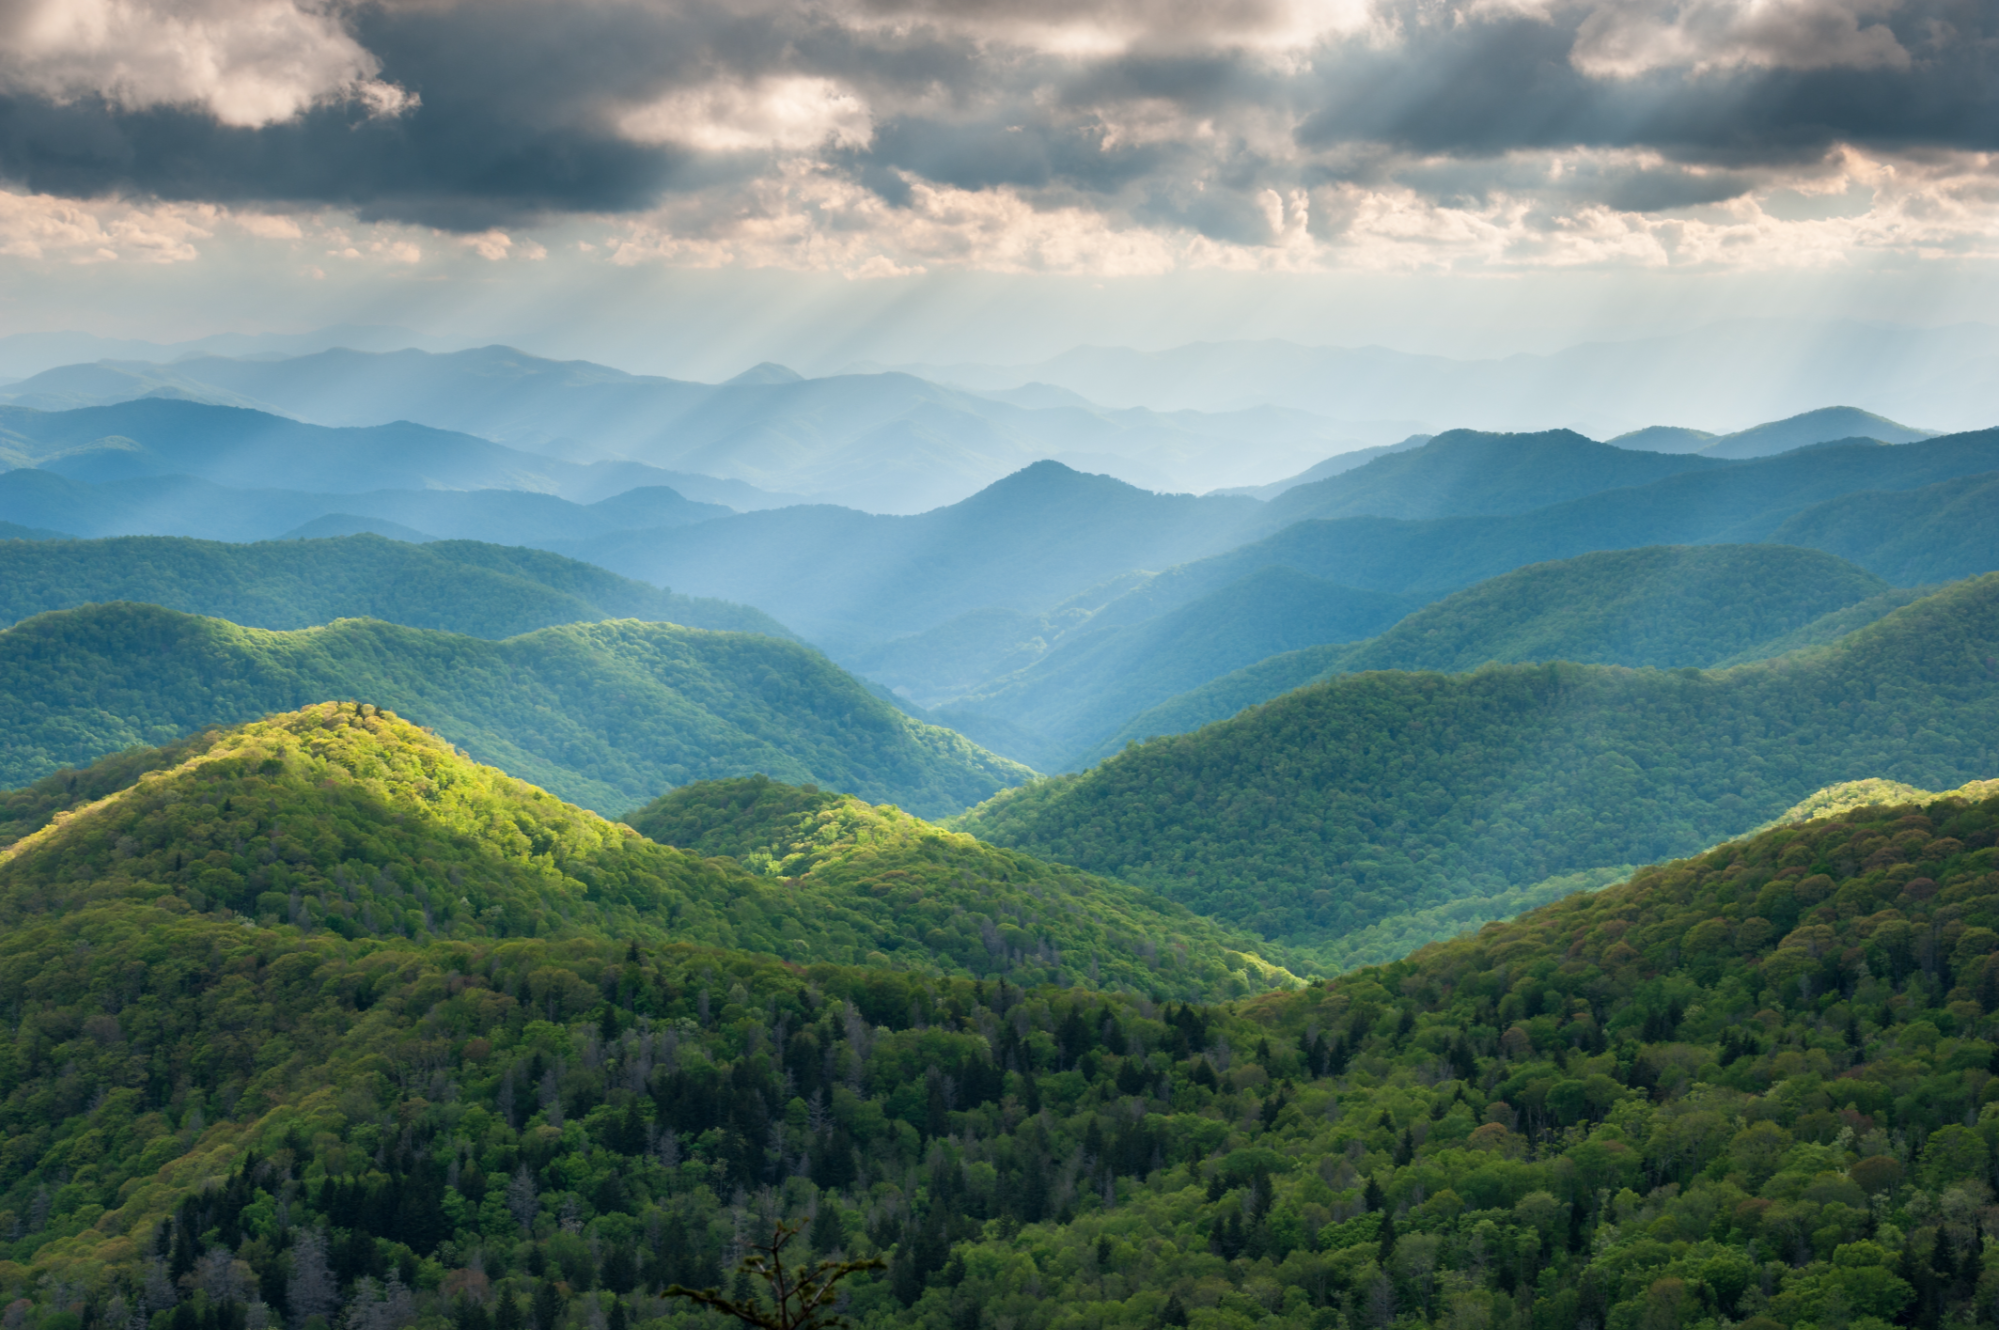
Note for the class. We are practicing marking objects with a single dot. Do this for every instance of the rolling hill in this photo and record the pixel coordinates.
(366, 826)
(1663, 607)
(490, 591)
(1748, 1080)
(1367, 795)
(605, 714)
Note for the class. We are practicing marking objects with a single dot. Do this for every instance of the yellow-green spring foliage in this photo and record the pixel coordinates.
(1754, 1088)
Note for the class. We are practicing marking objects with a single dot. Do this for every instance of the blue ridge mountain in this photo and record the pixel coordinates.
(491, 591)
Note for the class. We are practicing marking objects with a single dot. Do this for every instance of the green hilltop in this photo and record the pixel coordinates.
(1748, 1085)
(458, 586)
(604, 714)
(1369, 795)
(344, 818)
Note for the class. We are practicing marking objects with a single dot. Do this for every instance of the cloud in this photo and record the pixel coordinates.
(790, 114)
(247, 63)
(1039, 134)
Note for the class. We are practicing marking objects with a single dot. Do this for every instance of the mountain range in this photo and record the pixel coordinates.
(1342, 803)
(881, 442)
(1748, 370)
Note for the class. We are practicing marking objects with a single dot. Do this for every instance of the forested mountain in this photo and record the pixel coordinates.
(1933, 534)
(1463, 473)
(458, 586)
(1367, 795)
(1664, 607)
(605, 714)
(181, 506)
(957, 905)
(367, 826)
(1745, 1085)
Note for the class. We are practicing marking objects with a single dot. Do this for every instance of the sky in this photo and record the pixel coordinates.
(692, 187)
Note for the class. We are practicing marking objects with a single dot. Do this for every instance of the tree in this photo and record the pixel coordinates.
(310, 1291)
(800, 1300)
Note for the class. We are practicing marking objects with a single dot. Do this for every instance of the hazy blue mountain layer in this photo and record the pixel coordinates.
(882, 442)
(854, 579)
(182, 506)
(1086, 688)
(605, 714)
(1466, 473)
(489, 591)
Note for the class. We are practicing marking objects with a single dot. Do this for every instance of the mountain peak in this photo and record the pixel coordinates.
(768, 372)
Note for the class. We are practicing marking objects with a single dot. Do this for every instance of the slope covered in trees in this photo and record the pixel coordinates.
(1751, 1085)
(1368, 795)
(458, 586)
(1664, 607)
(343, 817)
(1931, 534)
(1463, 473)
(605, 714)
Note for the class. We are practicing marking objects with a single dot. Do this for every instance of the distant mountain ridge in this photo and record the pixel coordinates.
(186, 506)
(490, 591)
(1747, 370)
(884, 443)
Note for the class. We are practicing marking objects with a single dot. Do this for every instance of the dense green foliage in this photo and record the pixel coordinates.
(972, 908)
(605, 714)
(344, 818)
(1931, 534)
(1662, 606)
(1748, 1088)
(460, 586)
(1372, 794)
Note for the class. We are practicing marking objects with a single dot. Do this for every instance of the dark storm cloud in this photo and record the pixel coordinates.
(518, 105)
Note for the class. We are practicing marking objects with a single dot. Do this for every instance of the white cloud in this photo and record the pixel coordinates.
(1625, 38)
(786, 113)
(246, 62)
